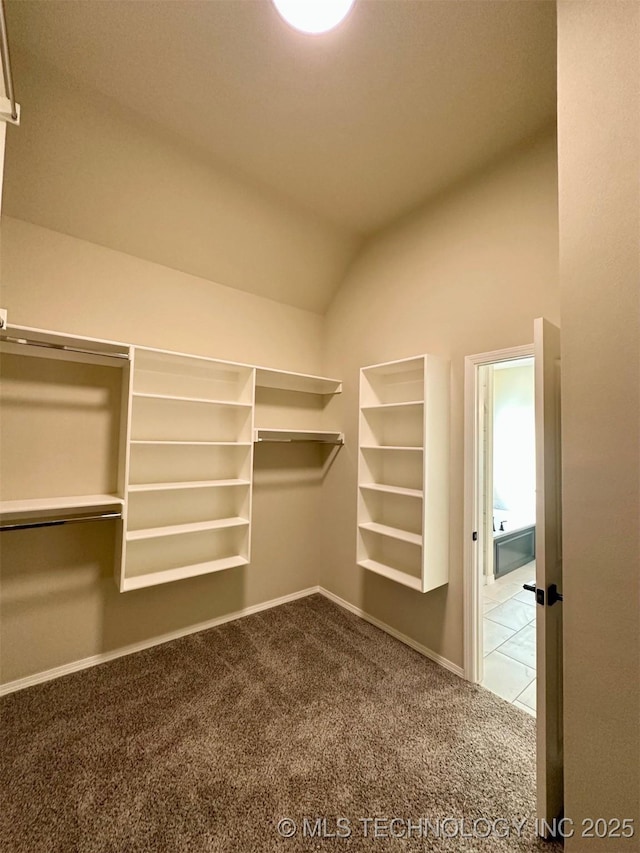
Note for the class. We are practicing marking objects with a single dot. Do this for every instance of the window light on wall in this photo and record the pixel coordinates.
(313, 16)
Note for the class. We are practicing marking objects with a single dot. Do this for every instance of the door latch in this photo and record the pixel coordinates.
(538, 592)
(552, 594)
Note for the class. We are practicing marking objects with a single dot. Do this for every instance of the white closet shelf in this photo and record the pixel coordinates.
(403, 436)
(392, 368)
(199, 402)
(178, 529)
(392, 532)
(175, 398)
(173, 443)
(34, 506)
(292, 435)
(391, 573)
(392, 490)
(194, 484)
(23, 340)
(182, 572)
(303, 382)
(391, 447)
(382, 406)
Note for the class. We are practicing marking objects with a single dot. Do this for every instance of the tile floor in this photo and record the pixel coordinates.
(510, 638)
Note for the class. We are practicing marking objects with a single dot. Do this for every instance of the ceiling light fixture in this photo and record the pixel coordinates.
(313, 16)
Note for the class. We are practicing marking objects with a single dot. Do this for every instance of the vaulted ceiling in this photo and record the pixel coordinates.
(357, 126)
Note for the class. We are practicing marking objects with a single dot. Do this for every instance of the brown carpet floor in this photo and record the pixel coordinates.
(300, 712)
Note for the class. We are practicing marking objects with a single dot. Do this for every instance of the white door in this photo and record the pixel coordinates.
(548, 572)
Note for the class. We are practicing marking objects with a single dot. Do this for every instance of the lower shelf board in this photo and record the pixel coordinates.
(391, 573)
(392, 532)
(156, 578)
(178, 529)
(392, 490)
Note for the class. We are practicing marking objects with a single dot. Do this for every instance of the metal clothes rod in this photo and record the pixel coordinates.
(6, 62)
(61, 347)
(28, 525)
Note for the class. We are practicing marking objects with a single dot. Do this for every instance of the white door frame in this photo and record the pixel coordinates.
(472, 503)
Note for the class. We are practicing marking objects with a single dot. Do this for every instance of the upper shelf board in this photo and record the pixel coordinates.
(285, 381)
(40, 507)
(39, 342)
(394, 367)
(59, 345)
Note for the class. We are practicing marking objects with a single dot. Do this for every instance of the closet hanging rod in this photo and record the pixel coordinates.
(294, 436)
(299, 441)
(57, 522)
(11, 339)
(6, 64)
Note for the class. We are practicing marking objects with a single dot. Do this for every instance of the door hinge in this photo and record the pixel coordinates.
(474, 535)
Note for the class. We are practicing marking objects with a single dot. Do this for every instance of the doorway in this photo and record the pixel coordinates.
(548, 549)
(507, 515)
(501, 501)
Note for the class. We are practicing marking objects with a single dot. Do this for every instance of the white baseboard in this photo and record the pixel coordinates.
(94, 660)
(423, 650)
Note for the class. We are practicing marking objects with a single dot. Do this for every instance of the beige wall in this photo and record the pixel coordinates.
(58, 600)
(599, 195)
(466, 275)
(84, 166)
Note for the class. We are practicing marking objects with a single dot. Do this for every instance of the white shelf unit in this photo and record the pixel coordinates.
(403, 471)
(180, 470)
(85, 357)
(189, 464)
(290, 408)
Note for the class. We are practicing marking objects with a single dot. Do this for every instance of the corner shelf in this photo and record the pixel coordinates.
(290, 408)
(302, 382)
(403, 476)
